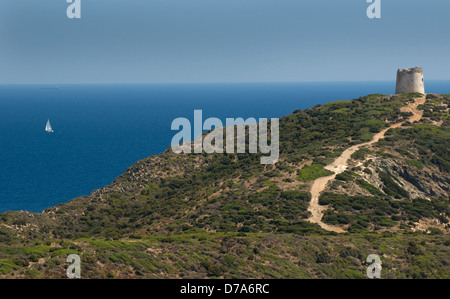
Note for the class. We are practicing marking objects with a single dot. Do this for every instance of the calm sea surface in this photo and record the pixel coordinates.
(100, 130)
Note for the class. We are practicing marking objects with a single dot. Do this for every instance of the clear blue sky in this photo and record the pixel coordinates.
(147, 41)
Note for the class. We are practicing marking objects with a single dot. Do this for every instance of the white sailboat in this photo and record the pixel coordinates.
(48, 127)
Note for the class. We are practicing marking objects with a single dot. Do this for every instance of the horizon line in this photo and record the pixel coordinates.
(208, 82)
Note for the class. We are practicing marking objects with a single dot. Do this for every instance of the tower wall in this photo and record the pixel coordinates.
(410, 80)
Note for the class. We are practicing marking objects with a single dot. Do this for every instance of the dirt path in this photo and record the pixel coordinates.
(340, 165)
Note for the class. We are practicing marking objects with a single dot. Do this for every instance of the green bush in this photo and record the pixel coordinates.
(312, 172)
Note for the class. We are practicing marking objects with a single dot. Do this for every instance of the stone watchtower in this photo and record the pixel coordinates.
(410, 80)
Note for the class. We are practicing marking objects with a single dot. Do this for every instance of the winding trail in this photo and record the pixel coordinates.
(341, 163)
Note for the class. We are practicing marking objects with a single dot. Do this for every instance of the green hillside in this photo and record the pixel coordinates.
(228, 216)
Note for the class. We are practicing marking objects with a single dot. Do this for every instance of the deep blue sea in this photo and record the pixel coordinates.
(100, 130)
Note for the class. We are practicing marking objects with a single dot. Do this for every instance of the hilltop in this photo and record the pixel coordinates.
(226, 215)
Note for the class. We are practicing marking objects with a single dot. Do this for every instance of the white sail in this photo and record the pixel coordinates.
(48, 127)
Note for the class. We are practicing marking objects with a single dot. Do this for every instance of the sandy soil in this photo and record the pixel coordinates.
(341, 163)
